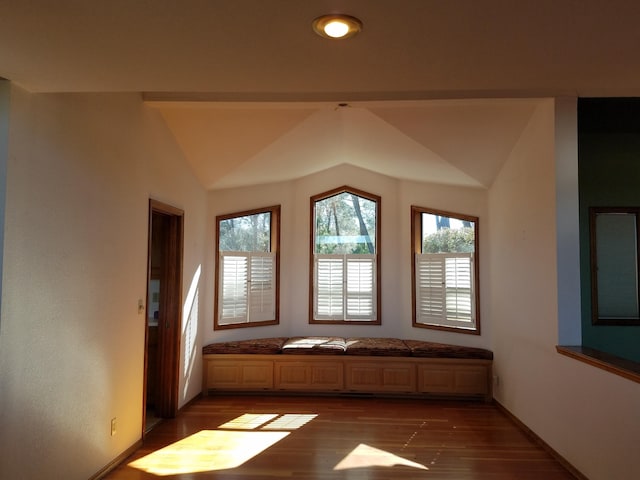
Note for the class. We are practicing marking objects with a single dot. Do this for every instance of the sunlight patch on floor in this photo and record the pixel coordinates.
(207, 450)
(289, 421)
(366, 456)
(235, 443)
(249, 421)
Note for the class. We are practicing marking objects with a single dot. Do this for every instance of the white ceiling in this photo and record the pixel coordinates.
(459, 142)
(251, 93)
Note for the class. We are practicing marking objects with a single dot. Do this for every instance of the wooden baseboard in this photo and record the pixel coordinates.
(547, 448)
(116, 461)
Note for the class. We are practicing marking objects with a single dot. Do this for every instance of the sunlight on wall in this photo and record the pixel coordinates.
(190, 328)
(366, 456)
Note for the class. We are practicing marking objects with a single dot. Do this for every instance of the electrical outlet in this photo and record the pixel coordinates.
(496, 380)
(113, 426)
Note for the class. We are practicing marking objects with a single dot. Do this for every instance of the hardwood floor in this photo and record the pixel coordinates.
(269, 437)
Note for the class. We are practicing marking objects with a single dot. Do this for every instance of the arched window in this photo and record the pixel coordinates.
(345, 270)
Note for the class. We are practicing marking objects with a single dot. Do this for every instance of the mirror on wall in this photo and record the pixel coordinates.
(614, 265)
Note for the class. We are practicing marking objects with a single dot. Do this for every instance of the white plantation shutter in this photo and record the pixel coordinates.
(360, 287)
(430, 297)
(458, 287)
(262, 292)
(344, 287)
(444, 289)
(247, 284)
(233, 287)
(329, 287)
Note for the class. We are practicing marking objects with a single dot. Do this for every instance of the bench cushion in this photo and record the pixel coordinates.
(258, 345)
(314, 346)
(366, 346)
(441, 350)
(384, 347)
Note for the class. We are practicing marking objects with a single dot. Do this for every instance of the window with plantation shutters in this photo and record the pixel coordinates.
(247, 269)
(345, 274)
(445, 270)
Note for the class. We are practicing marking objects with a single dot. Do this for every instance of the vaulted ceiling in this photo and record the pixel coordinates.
(252, 94)
(462, 142)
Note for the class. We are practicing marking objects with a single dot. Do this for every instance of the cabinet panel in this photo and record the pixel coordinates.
(399, 378)
(379, 376)
(292, 375)
(247, 375)
(471, 380)
(453, 379)
(300, 375)
(435, 379)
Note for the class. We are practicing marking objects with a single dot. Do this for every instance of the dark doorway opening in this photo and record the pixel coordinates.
(163, 319)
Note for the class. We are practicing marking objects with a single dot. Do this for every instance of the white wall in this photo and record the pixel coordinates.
(81, 170)
(397, 196)
(588, 416)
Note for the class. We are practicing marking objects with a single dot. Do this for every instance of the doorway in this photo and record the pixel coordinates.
(163, 313)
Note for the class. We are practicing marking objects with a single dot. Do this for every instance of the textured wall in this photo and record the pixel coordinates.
(81, 171)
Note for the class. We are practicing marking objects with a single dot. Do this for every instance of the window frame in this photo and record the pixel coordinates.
(274, 228)
(416, 249)
(376, 320)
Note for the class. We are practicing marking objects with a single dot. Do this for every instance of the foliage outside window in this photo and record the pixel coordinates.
(445, 270)
(247, 268)
(345, 273)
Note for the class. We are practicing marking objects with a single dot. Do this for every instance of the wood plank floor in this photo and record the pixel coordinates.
(269, 437)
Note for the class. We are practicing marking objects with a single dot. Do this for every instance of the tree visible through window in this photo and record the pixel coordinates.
(247, 268)
(344, 256)
(445, 270)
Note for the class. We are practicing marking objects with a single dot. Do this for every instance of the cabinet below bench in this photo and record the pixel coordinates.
(448, 377)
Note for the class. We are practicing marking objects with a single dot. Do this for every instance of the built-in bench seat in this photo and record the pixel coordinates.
(358, 365)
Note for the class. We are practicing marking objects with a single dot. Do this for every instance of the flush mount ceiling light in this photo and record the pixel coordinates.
(336, 26)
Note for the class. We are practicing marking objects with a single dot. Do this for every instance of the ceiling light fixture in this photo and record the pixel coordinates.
(337, 26)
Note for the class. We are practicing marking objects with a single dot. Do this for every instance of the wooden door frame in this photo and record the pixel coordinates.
(169, 327)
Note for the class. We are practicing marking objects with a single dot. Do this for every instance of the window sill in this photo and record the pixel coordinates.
(616, 365)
